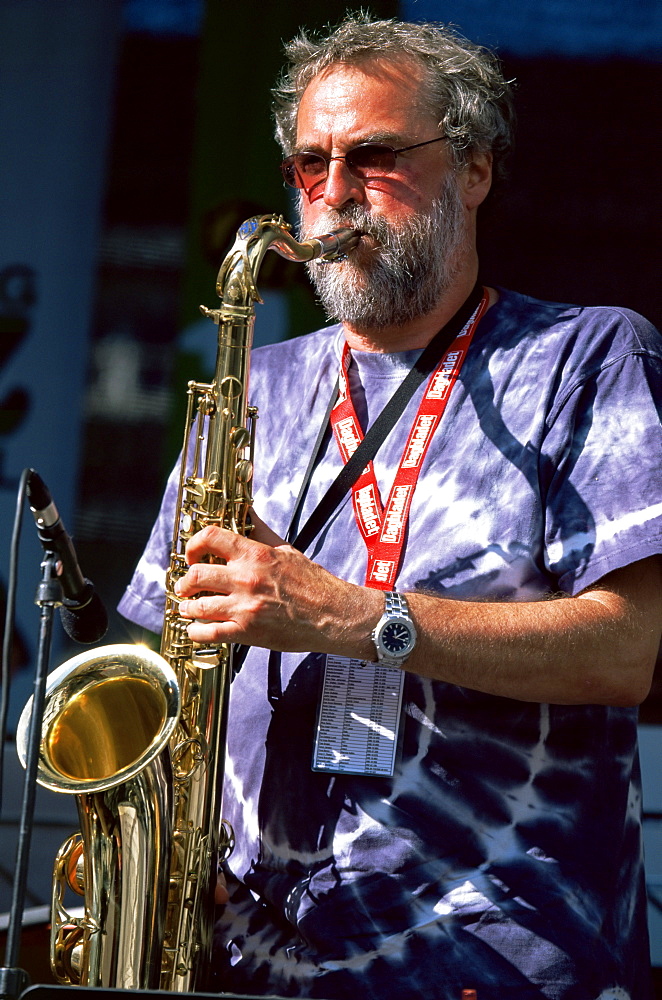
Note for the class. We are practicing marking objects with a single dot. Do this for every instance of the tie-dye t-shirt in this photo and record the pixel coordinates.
(504, 854)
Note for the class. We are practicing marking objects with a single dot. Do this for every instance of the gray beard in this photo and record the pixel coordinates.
(401, 278)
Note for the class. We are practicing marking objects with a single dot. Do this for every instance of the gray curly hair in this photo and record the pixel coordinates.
(464, 87)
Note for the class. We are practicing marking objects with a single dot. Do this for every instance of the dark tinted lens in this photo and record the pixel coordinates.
(304, 169)
(370, 158)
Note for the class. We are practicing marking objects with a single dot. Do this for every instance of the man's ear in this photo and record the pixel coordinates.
(475, 180)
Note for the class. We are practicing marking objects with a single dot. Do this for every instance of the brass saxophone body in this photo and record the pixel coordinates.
(139, 737)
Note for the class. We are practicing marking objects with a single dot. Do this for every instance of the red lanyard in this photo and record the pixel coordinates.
(383, 528)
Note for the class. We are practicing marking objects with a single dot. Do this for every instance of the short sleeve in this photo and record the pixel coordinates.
(143, 601)
(601, 470)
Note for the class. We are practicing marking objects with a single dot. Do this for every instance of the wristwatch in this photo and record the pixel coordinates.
(394, 636)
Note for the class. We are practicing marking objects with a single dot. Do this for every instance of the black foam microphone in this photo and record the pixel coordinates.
(83, 615)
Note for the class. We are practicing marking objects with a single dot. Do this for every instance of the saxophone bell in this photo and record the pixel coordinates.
(108, 714)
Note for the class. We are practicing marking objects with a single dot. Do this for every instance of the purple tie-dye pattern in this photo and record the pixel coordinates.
(505, 852)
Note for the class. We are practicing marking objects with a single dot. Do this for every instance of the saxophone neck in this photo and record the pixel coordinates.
(236, 283)
(331, 247)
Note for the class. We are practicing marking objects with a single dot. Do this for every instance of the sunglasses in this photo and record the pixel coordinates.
(368, 159)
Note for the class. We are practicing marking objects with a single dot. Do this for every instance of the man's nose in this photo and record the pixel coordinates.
(341, 185)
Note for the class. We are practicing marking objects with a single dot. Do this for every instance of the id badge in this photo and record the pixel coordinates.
(358, 718)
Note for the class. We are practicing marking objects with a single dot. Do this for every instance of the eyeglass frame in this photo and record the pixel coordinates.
(289, 160)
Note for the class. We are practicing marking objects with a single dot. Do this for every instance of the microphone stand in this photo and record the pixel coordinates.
(14, 980)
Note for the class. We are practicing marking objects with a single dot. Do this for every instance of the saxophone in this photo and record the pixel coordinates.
(139, 737)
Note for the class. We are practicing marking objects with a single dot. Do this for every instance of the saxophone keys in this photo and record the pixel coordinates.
(244, 471)
(196, 490)
(230, 387)
(240, 437)
(74, 868)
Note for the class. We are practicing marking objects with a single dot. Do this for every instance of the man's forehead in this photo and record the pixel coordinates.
(391, 86)
(387, 69)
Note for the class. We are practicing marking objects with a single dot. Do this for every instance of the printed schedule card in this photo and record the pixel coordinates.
(358, 718)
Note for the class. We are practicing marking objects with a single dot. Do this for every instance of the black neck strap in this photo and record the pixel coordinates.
(379, 430)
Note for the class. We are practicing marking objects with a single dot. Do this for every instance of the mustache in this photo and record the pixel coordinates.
(352, 216)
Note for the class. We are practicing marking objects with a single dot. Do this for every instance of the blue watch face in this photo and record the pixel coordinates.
(396, 637)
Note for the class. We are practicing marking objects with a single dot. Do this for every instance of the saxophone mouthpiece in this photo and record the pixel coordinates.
(334, 246)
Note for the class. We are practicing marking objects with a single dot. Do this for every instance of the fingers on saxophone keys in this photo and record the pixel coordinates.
(188, 608)
(172, 595)
(212, 632)
(185, 605)
(205, 608)
(191, 584)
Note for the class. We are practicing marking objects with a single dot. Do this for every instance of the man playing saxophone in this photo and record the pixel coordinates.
(432, 768)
